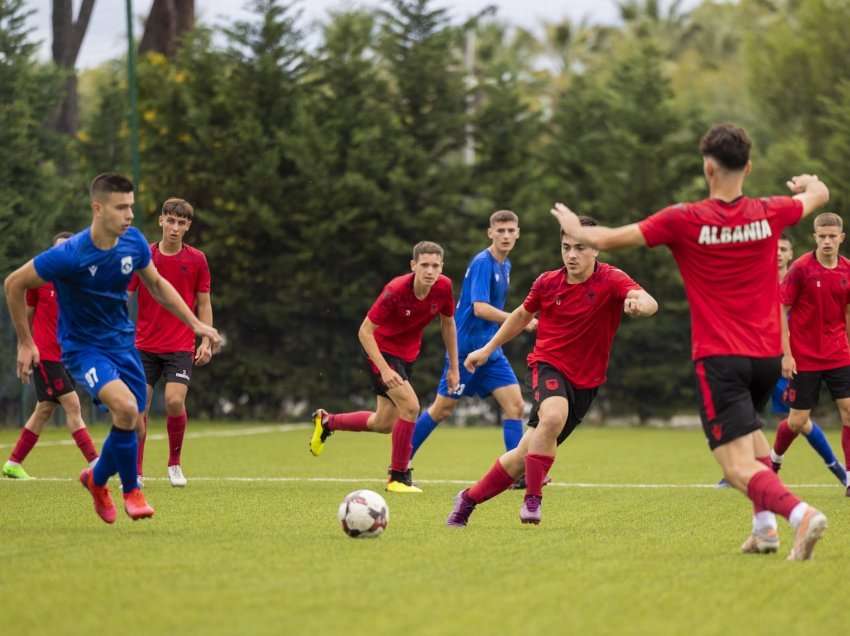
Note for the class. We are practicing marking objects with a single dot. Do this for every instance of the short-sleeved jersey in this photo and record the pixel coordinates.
(817, 322)
(577, 322)
(44, 321)
(726, 254)
(486, 281)
(401, 317)
(157, 329)
(91, 285)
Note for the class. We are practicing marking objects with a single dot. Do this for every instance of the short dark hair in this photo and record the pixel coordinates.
(178, 207)
(785, 236)
(503, 216)
(426, 247)
(586, 221)
(61, 235)
(727, 144)
(109, 182)
(830, 219)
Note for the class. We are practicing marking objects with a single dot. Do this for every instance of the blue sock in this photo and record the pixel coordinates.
(104, 467)
(512, 432)
(424, 426)
(818, 441)
(124, 449)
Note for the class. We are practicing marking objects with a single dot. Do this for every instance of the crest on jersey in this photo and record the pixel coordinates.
(126, 264)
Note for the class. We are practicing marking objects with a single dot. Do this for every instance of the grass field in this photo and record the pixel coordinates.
(633, 541)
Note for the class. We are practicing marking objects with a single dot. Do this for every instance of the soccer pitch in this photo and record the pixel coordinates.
(634, 540)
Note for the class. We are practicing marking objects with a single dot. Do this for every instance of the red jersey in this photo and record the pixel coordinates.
(44, 321)
(401, 317)
(818, 300)
(577, 321)
(726, 254)
(157, 329)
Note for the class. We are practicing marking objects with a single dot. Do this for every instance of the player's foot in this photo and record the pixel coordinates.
(103, 505)
(519, 484)
(400, 487)
(463, 507)
(530, 511)
(761, 542)
(136, 506)
(404, 476)
(723, 484)
(811, 529)
(15, 471)
(176, 476)
(321, 432)
(838, 470)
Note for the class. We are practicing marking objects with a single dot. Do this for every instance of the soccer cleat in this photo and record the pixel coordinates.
(404, 476)
(103, 505)
(15, 471)
(838, 470)
(530, 511)
(809, 531)
(761, 542)
(321, 432)
(401, 487)
(463, 507)
(723, 484)
(176, 476)
(135, 505)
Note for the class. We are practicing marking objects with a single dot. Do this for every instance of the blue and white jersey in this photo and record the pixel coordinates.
(91, 285)
(486, 281)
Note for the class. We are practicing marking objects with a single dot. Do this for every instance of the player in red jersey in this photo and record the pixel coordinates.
(579, 309)
(165, 344)
(391, 336)
(815, 296)
(725, 247)
(53, 385)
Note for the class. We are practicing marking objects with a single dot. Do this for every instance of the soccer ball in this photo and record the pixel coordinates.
(363, 514)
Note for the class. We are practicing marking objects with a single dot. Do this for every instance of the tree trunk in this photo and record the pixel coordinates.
(67, 38)
(167, 21)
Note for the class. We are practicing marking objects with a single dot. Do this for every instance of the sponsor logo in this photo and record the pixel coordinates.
(93, 269)
(126, 265)
(715, 235)
(717, 431)
(182, 374)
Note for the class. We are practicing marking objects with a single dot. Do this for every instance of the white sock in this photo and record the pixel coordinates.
(764, 520)
(776, 459)
(797, 514)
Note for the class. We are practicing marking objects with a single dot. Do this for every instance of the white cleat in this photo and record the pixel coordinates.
(762, 542)
(176, 476)
(810, 530)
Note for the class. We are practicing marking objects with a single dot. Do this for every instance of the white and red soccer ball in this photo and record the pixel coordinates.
(363, 514)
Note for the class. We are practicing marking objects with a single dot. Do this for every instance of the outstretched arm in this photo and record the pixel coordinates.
(810, 191)
(15, 287)
(510, 329)
(597, 236)
(639, 304)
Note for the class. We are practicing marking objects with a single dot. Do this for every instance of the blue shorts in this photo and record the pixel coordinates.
(95, 368)
(486, 379)
(778, 405)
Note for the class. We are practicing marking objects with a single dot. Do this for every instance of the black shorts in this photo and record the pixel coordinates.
(804, 388)
(51, 381)
(733, 390)
(546, 381)
(175, 367)
(404, 369)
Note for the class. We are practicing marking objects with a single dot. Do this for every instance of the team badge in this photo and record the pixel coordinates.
(126, 265)
(552, 384)
(717, 431)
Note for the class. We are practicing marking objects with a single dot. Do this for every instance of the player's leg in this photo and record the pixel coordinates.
(512, 406)
(70, 402)
(838, 382)
(175, 411)
(27, 440)
(440, 410)
(802, 396)
(153, 365)
(407, 405)
(542, 448)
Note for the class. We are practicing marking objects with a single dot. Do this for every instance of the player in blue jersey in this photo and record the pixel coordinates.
(90, 272)
(480, 312)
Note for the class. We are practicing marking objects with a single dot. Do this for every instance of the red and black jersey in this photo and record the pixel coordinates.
(44, 321)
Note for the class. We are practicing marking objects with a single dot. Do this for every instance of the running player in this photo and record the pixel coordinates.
(165, 344)
(391, 336)
(815, 296)
(580, 307)
(725, 247)
(91, 271)
(53, 385)
(479, 312)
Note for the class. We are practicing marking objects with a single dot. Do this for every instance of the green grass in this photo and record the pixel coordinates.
(267, 557)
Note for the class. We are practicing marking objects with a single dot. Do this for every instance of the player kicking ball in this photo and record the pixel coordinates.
(391, 336)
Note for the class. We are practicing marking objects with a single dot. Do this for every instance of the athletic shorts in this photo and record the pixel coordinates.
(779, 401)
(483, 381)
(51, 381)
(804, 388)
(546, 381)
(95, 368)
(174, 367)
(733, 390)
(404, 369)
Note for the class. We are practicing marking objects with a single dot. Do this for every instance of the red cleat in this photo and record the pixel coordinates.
(136, 506)
(103, 505)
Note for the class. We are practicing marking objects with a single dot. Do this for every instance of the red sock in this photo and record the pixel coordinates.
(83, 440)
(140, 455)
(536, 469)
(495, 481)
(784, 437)
(767, 492)
(845, 444)
(349, 421)
(766, 461)
(176, 427)
(26, 441)
(402, 444)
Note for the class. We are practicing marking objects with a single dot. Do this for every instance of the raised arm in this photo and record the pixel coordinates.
(599, 237)
(15, 287)
(810, 191)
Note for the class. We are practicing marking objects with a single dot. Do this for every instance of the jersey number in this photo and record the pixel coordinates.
(91, 377)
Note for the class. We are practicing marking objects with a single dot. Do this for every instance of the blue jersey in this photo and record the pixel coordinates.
(486, 281)
(91, 285)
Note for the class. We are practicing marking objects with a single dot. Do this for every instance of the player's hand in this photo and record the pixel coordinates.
(789, 366)
(631, 307)
(206, 331)
(531, 327)
(203, 354)
(28, 358)
(475, 359)
(567, 218)
(799, 183)
(391, 378)
(453, 380)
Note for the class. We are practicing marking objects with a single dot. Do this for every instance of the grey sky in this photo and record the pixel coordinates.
(107, 30)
